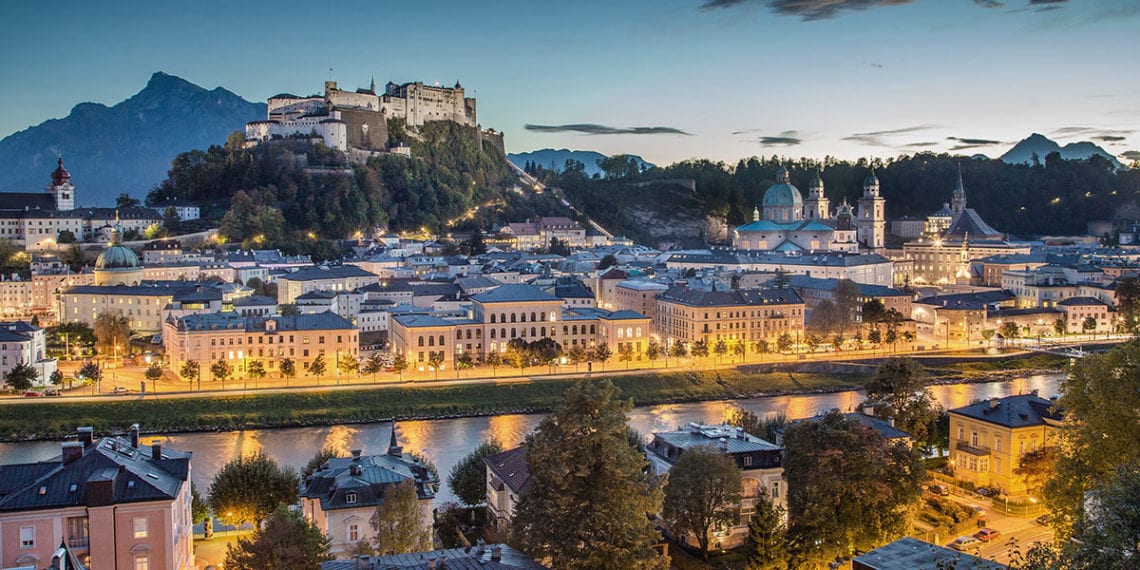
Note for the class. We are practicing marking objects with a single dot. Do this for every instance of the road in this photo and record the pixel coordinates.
(1017, 533)
(171, 386)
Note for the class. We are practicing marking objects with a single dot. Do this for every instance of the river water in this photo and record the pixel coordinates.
(445, 442)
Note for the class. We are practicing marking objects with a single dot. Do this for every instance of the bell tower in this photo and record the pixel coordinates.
(61, 188)
(958, 198)
(817, 206)
(871, 222)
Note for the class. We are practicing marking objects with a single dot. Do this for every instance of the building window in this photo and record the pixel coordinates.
(142, 562)
(27, 537)
(350, 498)
(140, 527)
(353, 532)
(748, 461)
(775, 489)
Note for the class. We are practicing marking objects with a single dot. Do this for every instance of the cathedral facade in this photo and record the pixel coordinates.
(786, 222)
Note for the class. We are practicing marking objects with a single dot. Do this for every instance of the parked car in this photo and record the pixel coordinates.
(964, 543)
(33, 394)
(986, 491)
(1045, 520)
(942, 490)
(53, 392)
(121, 390)
(978, 511)
(987, 534)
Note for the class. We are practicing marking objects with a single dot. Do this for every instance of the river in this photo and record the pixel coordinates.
(445, 442)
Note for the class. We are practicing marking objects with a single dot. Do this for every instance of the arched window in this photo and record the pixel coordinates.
(479, 333)
(421, 341)
(502, 333)
(532, 318)
(431, 341)
(513, 333)
(593, 329)
(492, 318)
(441, 343)
(533, 332)
(575, 329)
(469, 333)
(492, 333)
(459, 335)
(543, 331)
(565, 329)
(512, 317)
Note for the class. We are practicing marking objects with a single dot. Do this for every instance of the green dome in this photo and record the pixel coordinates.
(117, 257)
(783, 194)
(871, 180)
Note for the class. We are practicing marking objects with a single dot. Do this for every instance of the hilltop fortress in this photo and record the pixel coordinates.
(356, 122)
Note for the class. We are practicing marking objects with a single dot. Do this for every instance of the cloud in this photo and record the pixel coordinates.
(1046, 2)
(592, 129)
(807, 10)
(746, 131)
(920, 144)
(1110, 138)
(1107, 135)
(875, 65)
(989, 3)
(786, 138)
(1130, 155)
(967, 143)
(877, 138)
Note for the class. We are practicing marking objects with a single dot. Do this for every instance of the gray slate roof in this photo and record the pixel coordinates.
(511, 468)
(327, 272)
(1013, 411)
(135, 477)
(913, 554)
(684, 295)
(514, 293)
(477, 558)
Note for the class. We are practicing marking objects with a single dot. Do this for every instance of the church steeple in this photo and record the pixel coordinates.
(61, 188)
(394, 447)
(958, 198)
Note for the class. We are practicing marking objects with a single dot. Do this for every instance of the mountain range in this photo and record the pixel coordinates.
(126, 147)
(1040, 145)
(555, 159)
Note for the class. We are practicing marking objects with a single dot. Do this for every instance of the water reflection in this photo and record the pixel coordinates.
(446, 442)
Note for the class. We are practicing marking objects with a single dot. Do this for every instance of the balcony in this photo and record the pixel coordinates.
(78, 542)
(972, 450)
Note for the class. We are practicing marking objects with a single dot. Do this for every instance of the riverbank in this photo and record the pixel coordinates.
(55, 420)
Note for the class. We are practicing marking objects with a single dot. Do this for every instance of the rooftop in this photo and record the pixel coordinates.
(1013, 411)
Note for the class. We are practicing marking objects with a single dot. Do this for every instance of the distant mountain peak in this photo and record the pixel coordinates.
(555, 159)
(126, 147)
(1040, 146)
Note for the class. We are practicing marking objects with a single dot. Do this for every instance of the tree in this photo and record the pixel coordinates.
(474, 244)
(66, 236)
(125, 200)
(1059, 327)
(847, 295)
(289, 310)
(1088, 325)
(91, 371)
(153, 373)
(189, 371)
(873, 311)
(607, 262)
(288, 540)
(602, 353)
(255, 369)
(221, 370)
(812, 342)
(875, 337)
(780, 280)
(400, 521)
(625, 353)
(739, 348)
(199, 507)
(1036, 467)
(56, 377)
(784, 342)
(249, 488)
(558, 247)
(1099, 396)
(848, 487)
(761, 347)
(373, 365)
(653, 351)
(288, 369)
(837, 342)
(494, 360)
(767, 542)
(587, 436)
(318, 366)
(112, 331)
(320, 458)
(700, 349)
(171, 220)
(1009, 329)
(898, 389)
(702, 492)
(720, 348)
(468, 479)
(825, 318)
(679, 350)
(400, 364)
(1128, 302)
(21, 376)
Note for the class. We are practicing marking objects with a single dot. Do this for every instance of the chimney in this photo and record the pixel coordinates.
(86, 435)
(135, 436)
(72, 450)
(156, 450)
(431, 563)
(496, 553)
(868, 410)
(891, 421)
(994, 403)
(356, 454)
(724, 443)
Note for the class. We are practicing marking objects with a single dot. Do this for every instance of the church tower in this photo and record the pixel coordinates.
(871, 223)
(817, 206)
(958, 199)
(61, 188)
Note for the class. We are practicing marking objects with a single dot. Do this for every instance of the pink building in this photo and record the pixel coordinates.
(116, 505)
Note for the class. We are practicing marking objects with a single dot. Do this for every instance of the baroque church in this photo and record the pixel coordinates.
(785, 222)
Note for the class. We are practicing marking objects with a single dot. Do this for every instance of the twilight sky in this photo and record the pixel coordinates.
(667, 79)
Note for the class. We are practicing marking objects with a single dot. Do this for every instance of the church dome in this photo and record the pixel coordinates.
(783, 192)
(117, 256)
(60, 176)
(871, 180)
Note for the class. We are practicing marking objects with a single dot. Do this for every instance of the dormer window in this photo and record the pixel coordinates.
(350, 498)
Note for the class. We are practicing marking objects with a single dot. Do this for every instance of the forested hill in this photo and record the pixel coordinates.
(1056, 197)
(274, 195)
